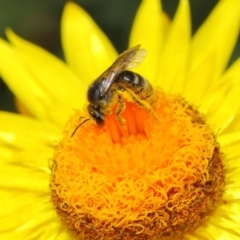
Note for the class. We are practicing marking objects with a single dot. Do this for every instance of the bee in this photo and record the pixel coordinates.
(106, 90)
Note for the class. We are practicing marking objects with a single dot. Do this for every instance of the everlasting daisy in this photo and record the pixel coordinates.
(169, 170)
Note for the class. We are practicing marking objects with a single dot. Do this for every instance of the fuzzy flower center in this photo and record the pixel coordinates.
(156, 176)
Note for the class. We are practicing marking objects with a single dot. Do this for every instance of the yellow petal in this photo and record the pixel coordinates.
(230, 144)
(174, 59)
(212, 95)
(232, 193)
(166, 25)
(223, 224)
(227, 218)
(227, 109)
(23, 133)
(9, 61)
(26, 145)
(29, 215)
(232, 178)
(221, 103)
(17, 177)
(147, 30)
(231, 79)
(44, 85)
(211, 48)
(87, 50)
(234, 124)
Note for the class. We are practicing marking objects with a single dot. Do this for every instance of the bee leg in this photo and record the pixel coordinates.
(144, 104)
(119, 109)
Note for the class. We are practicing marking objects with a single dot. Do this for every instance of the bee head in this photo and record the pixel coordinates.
(96, 114)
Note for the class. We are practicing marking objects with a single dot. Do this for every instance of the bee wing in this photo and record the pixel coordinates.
(107, 79)
(137, 59)
(130, 58)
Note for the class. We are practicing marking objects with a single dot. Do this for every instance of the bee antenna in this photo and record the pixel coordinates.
(79, 126)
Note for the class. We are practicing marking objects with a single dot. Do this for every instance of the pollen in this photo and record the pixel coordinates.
(154, 176)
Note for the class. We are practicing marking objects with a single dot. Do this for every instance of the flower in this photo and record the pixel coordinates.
(50, 90)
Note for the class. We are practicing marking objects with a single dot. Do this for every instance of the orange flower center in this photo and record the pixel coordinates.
(156, 176)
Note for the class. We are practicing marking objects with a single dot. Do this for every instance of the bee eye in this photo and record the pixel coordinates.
(93, 94)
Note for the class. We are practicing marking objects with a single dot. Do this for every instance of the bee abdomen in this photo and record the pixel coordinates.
(136, 83)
